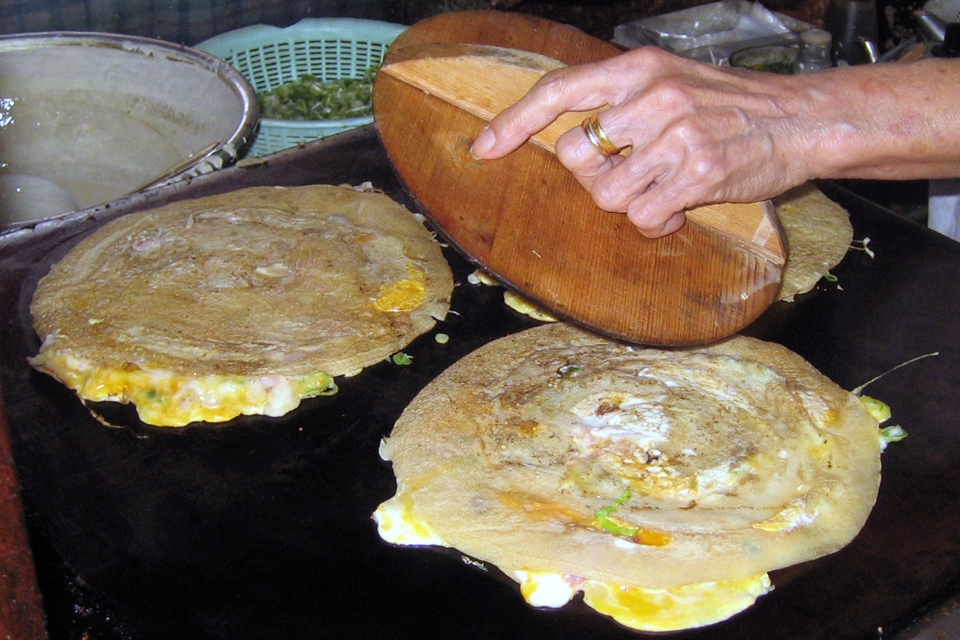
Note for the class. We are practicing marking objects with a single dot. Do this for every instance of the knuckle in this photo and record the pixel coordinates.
(645, 219)
(575, 158)
(615, 187)
(673, 93)
(647, 56)
(703, 169)
(691, 130)
(553, 86)
(606, 198)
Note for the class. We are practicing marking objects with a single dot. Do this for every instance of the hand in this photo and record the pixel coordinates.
(697, 134)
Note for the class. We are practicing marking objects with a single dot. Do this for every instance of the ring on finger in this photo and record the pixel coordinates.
(598, 137)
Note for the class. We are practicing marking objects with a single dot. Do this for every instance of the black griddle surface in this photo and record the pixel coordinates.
(261, 528)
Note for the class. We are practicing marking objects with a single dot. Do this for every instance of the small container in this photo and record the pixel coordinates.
(327, 48)
(814, 53)
(771, 58)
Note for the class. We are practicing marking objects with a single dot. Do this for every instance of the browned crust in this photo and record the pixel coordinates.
(259, 281)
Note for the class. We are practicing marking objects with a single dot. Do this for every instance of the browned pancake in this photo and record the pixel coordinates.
(240, 303)
(555, 453)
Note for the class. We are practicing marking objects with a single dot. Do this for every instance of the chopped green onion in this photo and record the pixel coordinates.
(401, 358)
(603, 517)
(829, 277)
(894, 433)
(317, 384)
(309, 98)
(878, 409)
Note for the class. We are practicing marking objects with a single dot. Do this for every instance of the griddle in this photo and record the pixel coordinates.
(260, 528)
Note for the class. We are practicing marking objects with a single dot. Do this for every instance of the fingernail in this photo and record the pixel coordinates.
(484, 142)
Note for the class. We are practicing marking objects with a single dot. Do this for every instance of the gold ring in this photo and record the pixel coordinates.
(598, 137)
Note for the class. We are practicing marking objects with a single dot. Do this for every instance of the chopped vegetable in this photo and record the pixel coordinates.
(309, 98)
(603, 517)
(878, 409)
(442, 338)
(863, 245)
(890, 434)
(569, 371)
(401, 358)
(893, 433)
(881, 413)
(317, 384)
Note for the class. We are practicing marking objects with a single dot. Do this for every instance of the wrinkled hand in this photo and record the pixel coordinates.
(697, 134)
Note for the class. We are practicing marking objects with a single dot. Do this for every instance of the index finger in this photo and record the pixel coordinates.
(559, 91)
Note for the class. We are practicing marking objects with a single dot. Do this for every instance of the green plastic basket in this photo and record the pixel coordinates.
(327, 48)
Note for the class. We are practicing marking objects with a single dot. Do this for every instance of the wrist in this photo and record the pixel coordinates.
(830, 139)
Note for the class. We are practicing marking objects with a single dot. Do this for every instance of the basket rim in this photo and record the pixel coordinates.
(258, 35)
(306, 124)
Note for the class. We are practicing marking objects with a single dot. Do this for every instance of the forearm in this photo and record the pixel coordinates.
(883, 121)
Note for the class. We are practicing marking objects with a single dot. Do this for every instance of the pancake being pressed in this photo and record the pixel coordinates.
(818, 233)
(239, 303)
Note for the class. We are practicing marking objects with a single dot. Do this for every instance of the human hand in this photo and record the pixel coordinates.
(697, 134)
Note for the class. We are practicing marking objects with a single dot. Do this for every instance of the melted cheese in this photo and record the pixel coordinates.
(685, 607)
(165, 399)
(797, 514)
(545, 589)
(481, 277)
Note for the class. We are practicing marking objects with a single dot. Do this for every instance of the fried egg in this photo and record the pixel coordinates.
(168, 398)
(643, 609)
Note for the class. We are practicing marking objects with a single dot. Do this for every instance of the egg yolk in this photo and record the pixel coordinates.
(403, 295)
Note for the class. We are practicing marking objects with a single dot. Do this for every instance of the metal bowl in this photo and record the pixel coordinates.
(89, 118)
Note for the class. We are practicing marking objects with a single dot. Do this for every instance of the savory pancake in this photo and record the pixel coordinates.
(818, 234)
(239, 303)
(663, 484)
